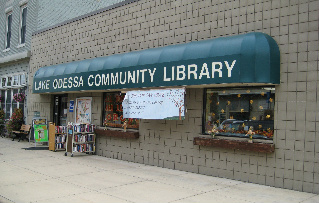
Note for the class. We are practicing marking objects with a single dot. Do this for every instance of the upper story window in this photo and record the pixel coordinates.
(13, 81)
(9, 81)
(3, 82)
(23, 23)
(22, 80)
(8, 30)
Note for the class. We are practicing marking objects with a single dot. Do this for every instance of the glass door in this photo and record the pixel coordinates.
(60, 110)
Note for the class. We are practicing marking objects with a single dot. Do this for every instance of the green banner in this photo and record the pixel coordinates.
(252, 58)
(181, 73)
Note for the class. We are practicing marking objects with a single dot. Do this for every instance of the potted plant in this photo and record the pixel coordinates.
(15, 121)
(2, 126)
(19, 97)
(1, 116)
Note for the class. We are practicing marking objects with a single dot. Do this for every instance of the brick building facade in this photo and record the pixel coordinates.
(144, 24)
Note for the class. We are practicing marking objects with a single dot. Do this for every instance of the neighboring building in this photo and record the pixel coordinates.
(243, 63)
(17, 24)
(18, 20)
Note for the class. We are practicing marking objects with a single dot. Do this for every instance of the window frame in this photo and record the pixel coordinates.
(9, 105)
(205, 121)
(9, 15)
(9, 81)
(7, 92)
(13, 81)
(3, 83)
(132, 123)
(20, 78)
(22, 81)
(23, 24)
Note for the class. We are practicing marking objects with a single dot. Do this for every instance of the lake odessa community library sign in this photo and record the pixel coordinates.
(140, 77)
(248, 58)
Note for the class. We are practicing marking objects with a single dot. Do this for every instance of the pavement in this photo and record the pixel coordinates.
(28, 175)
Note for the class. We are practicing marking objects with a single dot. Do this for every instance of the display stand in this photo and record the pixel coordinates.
(57, 137)
(80, 138)
(51, 136)
(39, 130)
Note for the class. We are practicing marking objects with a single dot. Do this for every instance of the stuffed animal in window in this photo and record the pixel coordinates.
(250, 133)
(124, 125)
(214, 131)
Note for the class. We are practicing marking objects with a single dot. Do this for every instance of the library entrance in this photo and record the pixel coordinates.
(60, 109)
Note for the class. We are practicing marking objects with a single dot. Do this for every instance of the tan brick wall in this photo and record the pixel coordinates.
(146, 24)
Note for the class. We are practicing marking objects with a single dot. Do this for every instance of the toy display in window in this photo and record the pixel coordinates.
(238, 112)
(124, 125)
(250, 133)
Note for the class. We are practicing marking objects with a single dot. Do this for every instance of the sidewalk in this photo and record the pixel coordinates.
(45, 176)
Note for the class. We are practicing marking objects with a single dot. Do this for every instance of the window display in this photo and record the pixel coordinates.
(240, 112)
(113, 112)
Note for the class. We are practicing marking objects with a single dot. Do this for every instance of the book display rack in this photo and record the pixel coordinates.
(57, 137)
(81, 138)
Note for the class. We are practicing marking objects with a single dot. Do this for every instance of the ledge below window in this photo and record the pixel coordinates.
(119, 133)
(234, 144)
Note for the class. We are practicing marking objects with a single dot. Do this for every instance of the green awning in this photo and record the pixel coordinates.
(243, 59)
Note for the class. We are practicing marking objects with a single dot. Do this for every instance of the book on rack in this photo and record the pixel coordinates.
(61, 138)
(83, 128)
(70, 129)
(60, 129)
(83, 138)
(84, 148)
(60, 145)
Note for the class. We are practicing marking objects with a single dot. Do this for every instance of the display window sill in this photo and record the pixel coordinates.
(117, 132)
(235, 144)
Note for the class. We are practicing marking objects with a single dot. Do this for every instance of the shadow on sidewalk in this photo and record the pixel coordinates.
(36, 148)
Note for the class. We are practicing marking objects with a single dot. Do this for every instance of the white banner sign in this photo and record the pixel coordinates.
(155, 104)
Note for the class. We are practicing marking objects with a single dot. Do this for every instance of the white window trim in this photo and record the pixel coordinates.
(21, 45)
(19, 104)
(7, 26)
(5, 84)
(2, 87)
(8, 81)
(25, 79)
(19, 85)
(8, 10)
(22, 6)
(6, 50)
(15, 85)
(21, 3)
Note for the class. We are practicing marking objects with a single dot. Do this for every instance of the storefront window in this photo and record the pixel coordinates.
(113, 111)
(14, 102)
(8, 104)
(232, 112)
